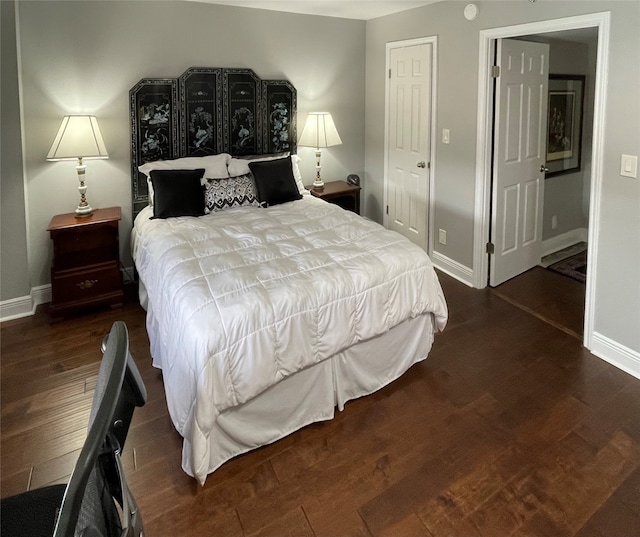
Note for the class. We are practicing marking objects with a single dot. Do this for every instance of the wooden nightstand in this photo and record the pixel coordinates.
(86, 261)
(341, 193)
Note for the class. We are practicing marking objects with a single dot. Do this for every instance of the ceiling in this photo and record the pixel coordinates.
(347, 9)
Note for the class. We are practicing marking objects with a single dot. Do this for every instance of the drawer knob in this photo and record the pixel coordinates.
(87, 284)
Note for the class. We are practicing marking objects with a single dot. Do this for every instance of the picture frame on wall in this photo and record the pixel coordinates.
(564, 124)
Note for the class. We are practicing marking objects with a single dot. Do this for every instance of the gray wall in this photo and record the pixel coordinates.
(14, 267)
(617, 300)
(83, 57)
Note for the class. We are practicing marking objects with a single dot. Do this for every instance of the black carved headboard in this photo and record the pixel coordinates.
(207, 111)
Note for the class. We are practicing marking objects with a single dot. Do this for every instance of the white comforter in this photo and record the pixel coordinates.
(240, 299)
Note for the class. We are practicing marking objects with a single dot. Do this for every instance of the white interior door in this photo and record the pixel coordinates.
(409, 144)
(519, 158)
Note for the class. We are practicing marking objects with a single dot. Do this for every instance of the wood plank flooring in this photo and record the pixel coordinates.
(552, 297)
(510, 427)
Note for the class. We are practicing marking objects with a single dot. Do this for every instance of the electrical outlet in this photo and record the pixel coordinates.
(442, 236)
(554, 221)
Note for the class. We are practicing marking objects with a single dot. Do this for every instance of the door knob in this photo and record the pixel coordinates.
(543, 168)
(422, 164)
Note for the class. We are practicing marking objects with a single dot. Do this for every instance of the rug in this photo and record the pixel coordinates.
(575, 267)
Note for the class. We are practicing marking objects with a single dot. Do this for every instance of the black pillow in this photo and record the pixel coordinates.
(177, 193)
(275, 181)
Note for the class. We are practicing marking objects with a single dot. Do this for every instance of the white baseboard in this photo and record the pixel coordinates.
(24, 306)
(616, 354)
(565, 240)
(452, 268)
(15, 308)
(41, 294)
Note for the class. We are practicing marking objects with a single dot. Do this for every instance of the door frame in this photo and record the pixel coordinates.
(601, 21)
(433, 41)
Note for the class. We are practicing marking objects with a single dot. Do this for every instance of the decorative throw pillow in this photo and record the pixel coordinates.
(240, 166)
(225, 193)
(214, 166)
(275, 181)
(177, 193)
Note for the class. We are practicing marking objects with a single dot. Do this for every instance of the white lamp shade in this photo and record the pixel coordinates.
(319, 131)
(78, 137)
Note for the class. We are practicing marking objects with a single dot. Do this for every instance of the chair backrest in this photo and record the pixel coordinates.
(98, 481)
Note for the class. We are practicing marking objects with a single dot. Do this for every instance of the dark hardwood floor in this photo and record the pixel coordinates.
(552, 297)
(510, 427)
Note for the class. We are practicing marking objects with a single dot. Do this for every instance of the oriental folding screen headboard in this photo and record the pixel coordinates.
(207, 111)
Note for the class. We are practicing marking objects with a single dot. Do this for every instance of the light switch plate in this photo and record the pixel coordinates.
(629, 166)
(445, 136)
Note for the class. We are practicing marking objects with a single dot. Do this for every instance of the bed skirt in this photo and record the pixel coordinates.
(311, 395)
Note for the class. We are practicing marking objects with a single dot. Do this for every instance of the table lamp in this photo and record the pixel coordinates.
(319, 131)
(79, 138)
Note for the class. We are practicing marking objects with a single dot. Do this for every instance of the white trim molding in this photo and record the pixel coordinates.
(564, 240)
(16, 308)
(24, 306)
(454, 269)
(618, 355)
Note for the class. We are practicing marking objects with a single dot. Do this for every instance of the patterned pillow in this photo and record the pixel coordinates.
(228, 192)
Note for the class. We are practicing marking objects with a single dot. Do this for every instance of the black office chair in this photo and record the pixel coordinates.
(96, 502)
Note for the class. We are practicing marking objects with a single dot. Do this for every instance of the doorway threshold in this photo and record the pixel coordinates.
(548, 296)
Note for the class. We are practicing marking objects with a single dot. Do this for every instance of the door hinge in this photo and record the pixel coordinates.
(387, 209)
(495, 71)
(490, 248)
(389, 73)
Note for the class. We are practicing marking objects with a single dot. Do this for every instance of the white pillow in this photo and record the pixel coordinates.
(240, 166)
(295, 160)
(215, 166)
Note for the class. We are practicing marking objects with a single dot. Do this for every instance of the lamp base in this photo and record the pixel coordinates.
(318, 183)
(84, 209)
(81, 212)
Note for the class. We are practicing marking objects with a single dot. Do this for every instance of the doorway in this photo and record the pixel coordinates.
(601, 22)
(556, 294)
(409, 134)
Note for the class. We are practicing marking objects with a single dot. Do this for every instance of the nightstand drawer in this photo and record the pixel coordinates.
(89, 285)
(80, 246)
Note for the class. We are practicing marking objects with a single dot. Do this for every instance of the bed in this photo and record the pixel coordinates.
(266, 316)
